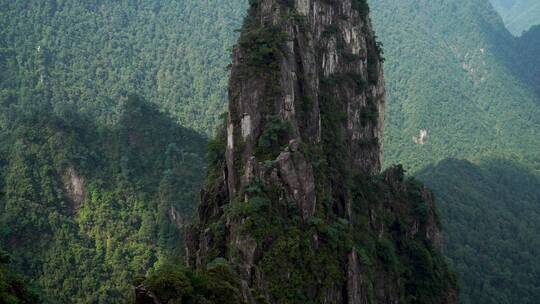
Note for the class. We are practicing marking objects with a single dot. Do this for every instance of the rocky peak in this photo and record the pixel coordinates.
(295, 203)
(293, 56)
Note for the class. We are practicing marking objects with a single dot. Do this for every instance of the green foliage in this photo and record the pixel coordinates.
(291, 248)
(289, 242)
(490, 215)
(86, 54)
(263, 46)
(301, 268)
(138, 179)
(361, 6)
(273, 139)
(170, 285)
(447, 72)
(411, 257)
(175, 284)
(453, 69)
(12, 289)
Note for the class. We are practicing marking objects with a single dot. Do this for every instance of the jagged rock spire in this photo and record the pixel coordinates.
(292, 198)
(317, 51)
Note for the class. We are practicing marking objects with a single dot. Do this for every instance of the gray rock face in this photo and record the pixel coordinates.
(356, 292)
(306, 80)
(327, 41)
(330, 56)
(74, 188)
(297, 180)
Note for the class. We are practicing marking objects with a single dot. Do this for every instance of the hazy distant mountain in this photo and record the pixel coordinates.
(526, 62)
(518, 15)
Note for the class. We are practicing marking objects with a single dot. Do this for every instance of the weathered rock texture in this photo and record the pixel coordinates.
(74, 188)
(327, 43)
(295, 203)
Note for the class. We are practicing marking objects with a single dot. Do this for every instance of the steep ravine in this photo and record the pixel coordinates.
(295, 203)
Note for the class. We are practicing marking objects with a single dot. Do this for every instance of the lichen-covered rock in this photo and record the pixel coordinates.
(297, 203)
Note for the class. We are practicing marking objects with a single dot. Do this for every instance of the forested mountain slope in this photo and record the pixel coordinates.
(490, 214)
(518, 15)
(85, 54)
(85, 208)
(12, 288)
(455, 72)
(65, 66)
(448, 74)
(526, 61)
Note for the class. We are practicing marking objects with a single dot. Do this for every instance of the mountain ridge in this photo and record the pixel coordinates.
(518, 15)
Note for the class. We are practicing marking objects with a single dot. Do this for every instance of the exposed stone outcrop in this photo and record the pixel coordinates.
(74, 188)
(295, 198)
(176, 217)
(326, 42)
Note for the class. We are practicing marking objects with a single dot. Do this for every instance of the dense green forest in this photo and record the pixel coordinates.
(85, 54)
(85, 208)
(447, 72)
(491, 220)
(526, 62)
(453, 70)
(66, 67)
(13, 290)
(94, 186)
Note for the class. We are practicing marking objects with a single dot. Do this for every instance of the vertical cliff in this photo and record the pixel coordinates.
(295, 61)
(294, 200)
